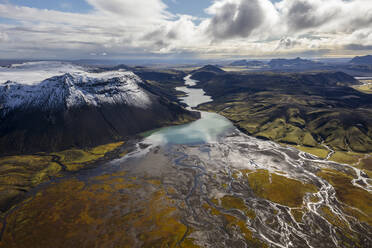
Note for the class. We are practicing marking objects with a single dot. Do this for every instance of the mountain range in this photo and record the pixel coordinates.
(244, 62)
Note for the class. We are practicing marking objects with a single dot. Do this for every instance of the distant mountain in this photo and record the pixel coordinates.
(293, 63)
(363, 60)
(209, 68)
(207, 72)
(247, 63)
(76, 108)
(110, 68)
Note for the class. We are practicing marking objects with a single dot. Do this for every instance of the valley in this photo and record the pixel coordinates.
(202, 184)
(186, 124)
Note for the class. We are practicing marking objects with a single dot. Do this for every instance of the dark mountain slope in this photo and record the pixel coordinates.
(304, 109)
(207, 72)
(73, 111)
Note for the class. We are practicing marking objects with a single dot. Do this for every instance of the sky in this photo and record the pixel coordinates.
(184, 29)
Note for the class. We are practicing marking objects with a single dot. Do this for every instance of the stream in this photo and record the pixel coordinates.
(205, 130)
(199, 165)
(213, 147)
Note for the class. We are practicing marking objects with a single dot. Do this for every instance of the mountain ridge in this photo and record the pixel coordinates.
(362, 60)
(81, 109)
(71, 90)
(288, 63)
(245, 62)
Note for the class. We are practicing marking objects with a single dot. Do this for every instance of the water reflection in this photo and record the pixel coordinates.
(205, 130)
(194, 96)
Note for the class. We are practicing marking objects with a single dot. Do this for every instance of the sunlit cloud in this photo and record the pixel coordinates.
(146, 28)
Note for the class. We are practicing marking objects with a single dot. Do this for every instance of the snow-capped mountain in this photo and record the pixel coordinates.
(73, 88)
(48, 106)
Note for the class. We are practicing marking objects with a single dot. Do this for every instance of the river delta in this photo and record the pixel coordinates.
(203, 184)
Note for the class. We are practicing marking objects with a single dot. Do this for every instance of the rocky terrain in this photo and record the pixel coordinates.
(237, 192)
(58, 118)
(48, 107)
(204, 184)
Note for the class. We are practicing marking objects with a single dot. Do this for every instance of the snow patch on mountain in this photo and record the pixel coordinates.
(56, 85)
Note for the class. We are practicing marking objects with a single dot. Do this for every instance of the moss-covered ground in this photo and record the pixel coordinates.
(233, 223)
(304, 110)
(280, 189)
(358, 202)
(18, 174)
(75, 159)
(319, 152)
(103, 212)
(231, 202)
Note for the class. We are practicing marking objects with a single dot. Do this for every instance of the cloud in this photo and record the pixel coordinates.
(141, 10)
(234, 18)
(304, 14)
(3, 37)
(146, 28)
(287, 43)
(325, 15)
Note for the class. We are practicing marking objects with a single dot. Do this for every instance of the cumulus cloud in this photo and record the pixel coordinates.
(325, 15)
(235, 18)
(127, 28)
(304, 14)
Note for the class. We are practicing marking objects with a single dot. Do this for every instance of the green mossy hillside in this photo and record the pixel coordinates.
(297, 109)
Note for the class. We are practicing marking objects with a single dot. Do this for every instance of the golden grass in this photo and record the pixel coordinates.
(282, 190)
(231, 202)
(349, 194)
(342, 226)
(233, 222)
(75, 159)
(350, 158)
(319, 152)
(103, 149)
(366, 163)
(104, 212)
(333, 219)
(297, 214)
(20, 173)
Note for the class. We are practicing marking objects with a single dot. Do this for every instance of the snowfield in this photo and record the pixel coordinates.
(57, 85)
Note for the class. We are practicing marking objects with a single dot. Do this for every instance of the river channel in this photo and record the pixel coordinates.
(203, 184)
